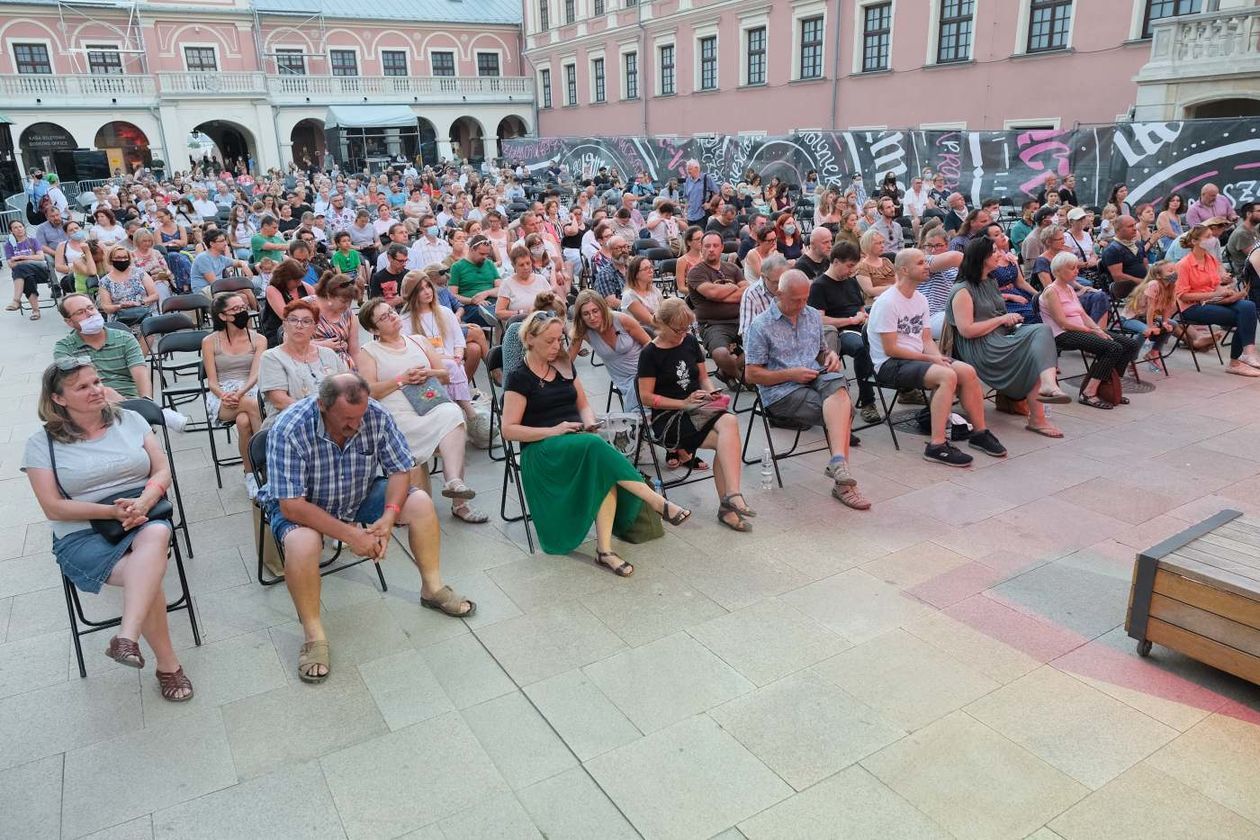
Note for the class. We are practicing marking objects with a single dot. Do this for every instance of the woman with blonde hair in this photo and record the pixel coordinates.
(88, 453)
(641, 298)
(615, 337)
(688, 413)
(874, 272)
(1149, 309)
(427, 317)
(337, 329)
(571, 478)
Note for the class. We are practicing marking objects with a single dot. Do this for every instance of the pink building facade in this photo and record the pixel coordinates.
(686, 67)
(259, 78)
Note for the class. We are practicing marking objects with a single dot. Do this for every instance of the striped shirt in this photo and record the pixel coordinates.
(303, 462)
(756, 299)
(114, 361)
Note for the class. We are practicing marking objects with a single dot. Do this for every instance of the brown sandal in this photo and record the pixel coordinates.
(446, 601)
(622, 569)
(125, 652)
(313, 654)
(172, 684)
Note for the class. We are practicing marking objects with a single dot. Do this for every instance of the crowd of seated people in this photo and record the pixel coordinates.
(370, 303)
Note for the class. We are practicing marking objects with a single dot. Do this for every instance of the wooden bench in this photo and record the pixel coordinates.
(1198, 593)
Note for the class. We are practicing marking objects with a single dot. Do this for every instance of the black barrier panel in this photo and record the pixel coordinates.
(1153, 159)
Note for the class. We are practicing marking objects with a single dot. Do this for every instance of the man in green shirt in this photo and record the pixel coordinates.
(1025, 225)
(115, 354)
(267, 242)
(475, 282)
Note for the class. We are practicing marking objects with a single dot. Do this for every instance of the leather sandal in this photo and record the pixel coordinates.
(313, 654)
(446, 601)
(171, 684)
(740, 524)
(743, 508)
(681, 514)
(125, 652)
(622, 569)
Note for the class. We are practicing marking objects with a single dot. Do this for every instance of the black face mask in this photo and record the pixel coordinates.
(240, 320)
(121, 265)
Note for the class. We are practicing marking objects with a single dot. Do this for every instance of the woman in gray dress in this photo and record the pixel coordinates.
(615, 337)
(1015, 358)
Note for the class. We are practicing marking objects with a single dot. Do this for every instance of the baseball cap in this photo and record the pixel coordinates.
(1217, 221)
(1077, 213)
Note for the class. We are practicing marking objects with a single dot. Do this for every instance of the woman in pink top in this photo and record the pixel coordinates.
(1075, 330)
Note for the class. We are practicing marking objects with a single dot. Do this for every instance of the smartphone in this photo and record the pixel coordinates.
(596, 426)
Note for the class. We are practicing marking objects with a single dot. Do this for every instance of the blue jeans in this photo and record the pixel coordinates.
(1138, 327)
(1240, 314)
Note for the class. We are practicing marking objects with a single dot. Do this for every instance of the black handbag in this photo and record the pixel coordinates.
(112, 529)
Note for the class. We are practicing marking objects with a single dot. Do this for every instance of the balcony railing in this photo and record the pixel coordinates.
(17, 89)
(212, 84)
(1211, 44)
(333, 89)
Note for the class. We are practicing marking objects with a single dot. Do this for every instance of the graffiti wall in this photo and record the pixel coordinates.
(1153, 159)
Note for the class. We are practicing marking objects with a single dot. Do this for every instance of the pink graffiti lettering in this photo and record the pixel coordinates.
(1059, 154)
(949, 158)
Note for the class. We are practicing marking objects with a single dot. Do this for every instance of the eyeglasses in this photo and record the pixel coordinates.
(299, 322)
(90, 309)
(235, 310)
(69, 363)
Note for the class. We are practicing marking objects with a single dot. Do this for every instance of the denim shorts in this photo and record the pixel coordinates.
(88, 559)
(370, 509)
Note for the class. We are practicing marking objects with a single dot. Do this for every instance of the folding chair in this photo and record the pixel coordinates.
(213, 424)
(236, 283)
(494, 361)
(258, 462)
(512, 474)
(759, 410)
(165, 361)
(886, 408)
(152, 414)
(194, 302)
(154, 329)
(647, 435)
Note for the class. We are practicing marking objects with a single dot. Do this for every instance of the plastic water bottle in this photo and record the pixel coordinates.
(658, 487)
(767, 470)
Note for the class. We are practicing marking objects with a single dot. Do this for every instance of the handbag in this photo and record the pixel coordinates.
(111, 529)
(426, 396)
(645, 527)
(1110, 390)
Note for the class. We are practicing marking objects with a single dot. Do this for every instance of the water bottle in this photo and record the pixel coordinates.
(767, 470)
(658, 487)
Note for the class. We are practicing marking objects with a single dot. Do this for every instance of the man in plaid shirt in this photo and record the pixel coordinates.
(325, 458)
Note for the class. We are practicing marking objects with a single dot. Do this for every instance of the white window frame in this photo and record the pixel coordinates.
(761, 21)
(100, 45)
(48, 47)
(591, 58)
(659, 76)
(859, 28)
(565, 65)
(299, 48)
(698, 34)
(477, 68)
(537, 16)
(624, 80)
(799, 14)
(351, 48)
(406, 54)
(454, 60)
(934, 35)
(1054, 123)
(1139, 17)
(551, 83)
(1025, 22)
(183, 55)
(943, 126)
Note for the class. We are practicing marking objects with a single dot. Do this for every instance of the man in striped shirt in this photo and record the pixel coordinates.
(338, 466)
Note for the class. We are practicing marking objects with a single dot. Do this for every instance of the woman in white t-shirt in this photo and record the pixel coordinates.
(641, 298)
(518, 290)
(106, 231)
(1079, 241)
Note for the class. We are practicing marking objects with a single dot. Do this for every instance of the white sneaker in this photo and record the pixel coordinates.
(174, 420)
(251, 486)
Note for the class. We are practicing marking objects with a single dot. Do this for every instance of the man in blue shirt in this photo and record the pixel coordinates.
(800, 380)
(325, 459)
(698, 190)
(36, 189)
(209, 265)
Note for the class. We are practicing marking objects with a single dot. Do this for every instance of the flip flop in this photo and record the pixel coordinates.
(1055, 397)
(1047, 431)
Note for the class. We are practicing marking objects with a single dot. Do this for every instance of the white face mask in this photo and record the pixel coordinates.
(92, 324)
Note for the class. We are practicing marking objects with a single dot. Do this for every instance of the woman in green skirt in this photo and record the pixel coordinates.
(571, 477)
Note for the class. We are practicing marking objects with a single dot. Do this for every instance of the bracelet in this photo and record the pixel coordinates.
(656, 401)
(395, 508)
(152, 483)
(398, 380)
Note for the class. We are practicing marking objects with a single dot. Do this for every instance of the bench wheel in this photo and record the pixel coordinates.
(1144, 647)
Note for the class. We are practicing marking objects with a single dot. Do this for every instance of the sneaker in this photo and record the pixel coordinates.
(870, 414)
(175, 421)
(838, 470)
(947, 454)
(251, 486)
(911, 396)
(987, 443)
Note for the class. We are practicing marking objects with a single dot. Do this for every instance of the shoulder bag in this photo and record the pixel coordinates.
(426, 396)
(111, 529)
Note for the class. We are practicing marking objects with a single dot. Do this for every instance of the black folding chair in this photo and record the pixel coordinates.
(512, 474)
(167, 360)
(759, 411)
(195, 302)
(648, 436)
(258, 462)
(152, 414)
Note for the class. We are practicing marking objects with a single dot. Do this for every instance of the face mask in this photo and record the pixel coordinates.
(121, 265)
(79, 236)
(789, 229)
(1209, 243)
(92, 324)
(240, 319)
(433, 230)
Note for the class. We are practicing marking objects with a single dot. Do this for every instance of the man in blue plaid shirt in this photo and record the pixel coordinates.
(325, 459)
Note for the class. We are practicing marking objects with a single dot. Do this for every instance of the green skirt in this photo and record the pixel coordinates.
(566, 479)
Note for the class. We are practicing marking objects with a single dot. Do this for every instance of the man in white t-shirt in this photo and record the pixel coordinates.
(916, 201)
(905, 356)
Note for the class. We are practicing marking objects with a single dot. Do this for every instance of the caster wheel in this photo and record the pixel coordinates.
(1144, 648)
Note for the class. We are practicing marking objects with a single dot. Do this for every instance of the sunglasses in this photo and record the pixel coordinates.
(69, 363)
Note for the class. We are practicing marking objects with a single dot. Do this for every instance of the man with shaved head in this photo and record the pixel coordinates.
(1210, 205)
(800, 380)
(817, 253)
(1125, 257)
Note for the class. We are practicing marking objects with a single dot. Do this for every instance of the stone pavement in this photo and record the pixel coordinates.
(949, 664)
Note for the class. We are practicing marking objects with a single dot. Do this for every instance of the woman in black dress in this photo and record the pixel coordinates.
(673, 382)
